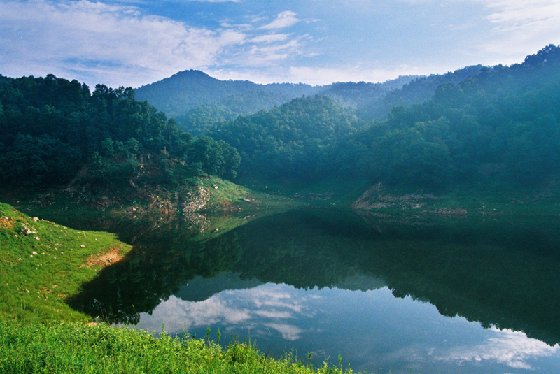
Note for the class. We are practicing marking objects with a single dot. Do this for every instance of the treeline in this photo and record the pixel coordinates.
(496, 125)
(57, 132)
(501, 126)
(290, 142)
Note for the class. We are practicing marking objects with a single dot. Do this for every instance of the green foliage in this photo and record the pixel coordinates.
(188, 93)
(290, 141)
(500, 127)
(72, 348)
(42, 263)
(54, 130)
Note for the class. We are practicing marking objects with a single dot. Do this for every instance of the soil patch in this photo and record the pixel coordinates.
(105, 259)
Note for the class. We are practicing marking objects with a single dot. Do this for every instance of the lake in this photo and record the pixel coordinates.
(386, 293)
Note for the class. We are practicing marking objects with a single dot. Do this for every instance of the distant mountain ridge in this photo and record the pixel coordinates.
(190, 89)
(199, 102)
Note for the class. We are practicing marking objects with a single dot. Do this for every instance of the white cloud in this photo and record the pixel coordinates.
(284, 19)
(97, 42)
(511, 348)
(269, 38)
(519, 28)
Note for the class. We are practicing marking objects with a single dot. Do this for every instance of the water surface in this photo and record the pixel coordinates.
(399, 294)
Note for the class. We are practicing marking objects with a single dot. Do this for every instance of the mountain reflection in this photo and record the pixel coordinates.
(501, 271)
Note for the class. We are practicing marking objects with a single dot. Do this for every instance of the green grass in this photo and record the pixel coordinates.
(39, 271)
(78, 348)
(225, 194)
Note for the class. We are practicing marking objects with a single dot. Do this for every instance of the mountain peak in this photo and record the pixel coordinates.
(192, 74)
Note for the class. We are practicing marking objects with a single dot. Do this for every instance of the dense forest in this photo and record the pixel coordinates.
(57, 132)
(500, 126)
(195, 98)
(477, 126)
(292, 141)
(199, 102)
(497, 125)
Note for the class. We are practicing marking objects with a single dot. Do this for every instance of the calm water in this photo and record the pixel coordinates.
(388, 294)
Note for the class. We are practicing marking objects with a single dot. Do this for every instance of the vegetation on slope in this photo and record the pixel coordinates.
(74, 348)
(192, 89)
(42, 264)
(291, 141)
(496, 127)
(501, 127)
(199, 102)
(56, 132)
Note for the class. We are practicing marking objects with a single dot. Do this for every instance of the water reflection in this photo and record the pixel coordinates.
(300, 279)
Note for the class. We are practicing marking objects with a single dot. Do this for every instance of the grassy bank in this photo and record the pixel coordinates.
(42, 263)
(78, 348)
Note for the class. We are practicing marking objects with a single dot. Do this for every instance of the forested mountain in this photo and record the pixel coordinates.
(57, 132)
(369, 99)
(496, 125)
(500, 126)
(190, 92)
(291, 141)
(198, 101)
(416, 91)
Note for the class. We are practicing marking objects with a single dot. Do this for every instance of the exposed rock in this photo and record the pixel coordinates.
(376, 198)
(27, 231)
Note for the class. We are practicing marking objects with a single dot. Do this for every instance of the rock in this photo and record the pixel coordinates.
(27, 231)
(35, 219)
(82, 245)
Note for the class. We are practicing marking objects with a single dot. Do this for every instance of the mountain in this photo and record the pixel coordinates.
(476, 126)
(198, 101)
(500, 126)
(192, 89)
(364, 95)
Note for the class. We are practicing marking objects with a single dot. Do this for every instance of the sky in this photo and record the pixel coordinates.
(136, 42)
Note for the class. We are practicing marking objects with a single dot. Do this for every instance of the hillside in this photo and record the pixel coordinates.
(42, 264)
(198, 101)
(58, 134)
(500, 127)
(483, 127)
(290, 141)
(187, 93)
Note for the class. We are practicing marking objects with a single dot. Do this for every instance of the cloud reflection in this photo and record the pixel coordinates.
(511, 348)
(261, 309)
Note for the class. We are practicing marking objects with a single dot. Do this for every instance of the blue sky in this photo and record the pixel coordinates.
(134, 42)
